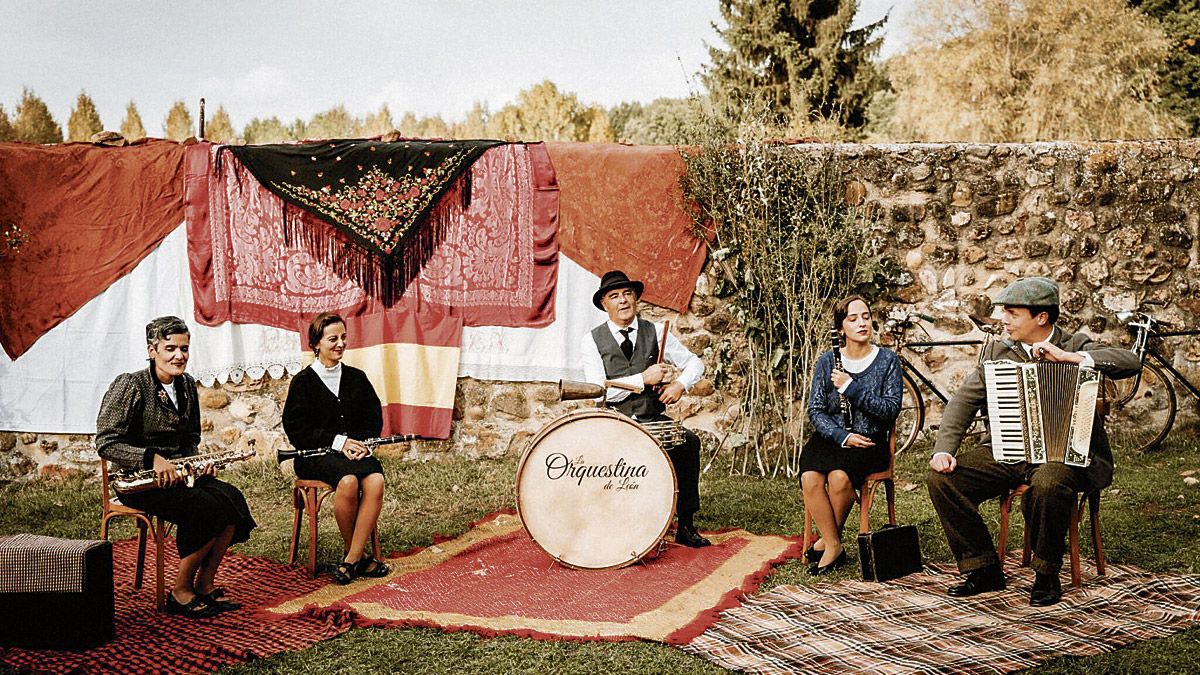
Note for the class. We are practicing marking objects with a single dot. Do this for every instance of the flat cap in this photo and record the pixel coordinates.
(1029, 292)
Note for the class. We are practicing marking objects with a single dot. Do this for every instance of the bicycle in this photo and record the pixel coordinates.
(899, 324)
(1143, 407)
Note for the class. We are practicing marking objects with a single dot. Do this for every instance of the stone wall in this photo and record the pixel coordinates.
(1117, 224)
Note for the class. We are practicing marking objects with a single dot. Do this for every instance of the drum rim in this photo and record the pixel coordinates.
(596, 412)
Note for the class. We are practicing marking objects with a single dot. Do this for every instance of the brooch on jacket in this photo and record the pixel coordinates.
(162, 396)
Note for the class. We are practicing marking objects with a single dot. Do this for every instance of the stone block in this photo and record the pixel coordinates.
(856, 193)
(962, 194)
(960, 218)
(1037, 248)
(229, 434)
(242, 410)
(8, 441)
(512, 401)
(27, 438)
(973, 254)
(703, 388)
(1095, 272)
(718, 322)
(1175, 236)
(697, 343)
(999, 205)
(920, 172)
(213, 399)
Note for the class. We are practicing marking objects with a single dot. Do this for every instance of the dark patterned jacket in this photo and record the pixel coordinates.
(1114, 362)
(137, 420)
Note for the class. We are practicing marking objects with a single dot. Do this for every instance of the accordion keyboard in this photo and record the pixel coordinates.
(1005, 413)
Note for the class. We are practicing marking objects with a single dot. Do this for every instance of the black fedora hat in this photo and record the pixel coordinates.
(615, 279)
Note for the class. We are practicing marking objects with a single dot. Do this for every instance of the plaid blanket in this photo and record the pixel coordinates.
(910, 625)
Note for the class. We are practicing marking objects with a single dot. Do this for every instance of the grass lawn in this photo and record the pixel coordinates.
(1150, 518)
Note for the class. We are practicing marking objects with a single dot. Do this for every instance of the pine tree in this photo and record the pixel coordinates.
(84, 120)
(7, 133)
(799, 58)
(542, 112)
(34, 123)
(219, 129)
(178, 125)
(132, 128)
(1180, 85)
(379, 123)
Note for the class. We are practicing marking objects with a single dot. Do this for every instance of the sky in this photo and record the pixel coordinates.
(294, 59)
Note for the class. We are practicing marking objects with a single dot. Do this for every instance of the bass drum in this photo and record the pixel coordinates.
(595, 490)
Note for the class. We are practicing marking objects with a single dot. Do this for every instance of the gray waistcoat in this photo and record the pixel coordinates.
(643, 405)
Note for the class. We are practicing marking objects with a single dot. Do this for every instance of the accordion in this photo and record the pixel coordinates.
(1042, 411)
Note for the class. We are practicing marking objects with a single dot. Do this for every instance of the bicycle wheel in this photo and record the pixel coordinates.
(912, 415)
(1143, 421)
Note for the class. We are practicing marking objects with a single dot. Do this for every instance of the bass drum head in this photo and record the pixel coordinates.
(595, 491)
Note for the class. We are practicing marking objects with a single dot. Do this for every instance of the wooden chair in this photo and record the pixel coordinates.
(145, 523)
(865, 496)
(1092, 499)
(308, 495)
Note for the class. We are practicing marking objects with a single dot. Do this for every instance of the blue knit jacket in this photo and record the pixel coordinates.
(874, 395)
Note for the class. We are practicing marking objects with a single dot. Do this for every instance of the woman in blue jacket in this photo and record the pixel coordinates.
(853, 409)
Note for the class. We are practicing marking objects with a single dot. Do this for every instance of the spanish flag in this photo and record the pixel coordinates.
(412, 361)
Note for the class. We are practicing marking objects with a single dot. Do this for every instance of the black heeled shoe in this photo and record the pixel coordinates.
(196, 608)
(812, 556)
(838, 563)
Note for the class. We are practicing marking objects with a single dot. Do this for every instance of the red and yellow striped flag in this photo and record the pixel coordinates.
(412, 361)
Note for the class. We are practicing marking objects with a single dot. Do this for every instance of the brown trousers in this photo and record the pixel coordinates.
(1047, 506)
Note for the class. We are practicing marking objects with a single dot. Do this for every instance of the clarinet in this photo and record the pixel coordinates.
(847, 415)
(371, 443)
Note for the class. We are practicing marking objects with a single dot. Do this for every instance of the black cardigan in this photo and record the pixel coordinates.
(313, 416)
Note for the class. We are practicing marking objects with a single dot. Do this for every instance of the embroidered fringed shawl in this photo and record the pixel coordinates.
(375, 196)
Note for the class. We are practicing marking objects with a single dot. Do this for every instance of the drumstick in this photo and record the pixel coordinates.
(622, 385)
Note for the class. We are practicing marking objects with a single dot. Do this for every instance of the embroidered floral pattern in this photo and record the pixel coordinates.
(378, 208)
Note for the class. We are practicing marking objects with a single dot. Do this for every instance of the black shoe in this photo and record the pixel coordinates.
(1046, 590)
(687, 535)
(838, 563)
(983, 580)
(344, 572)
(364, 568)
(812, 556)
(197, 608)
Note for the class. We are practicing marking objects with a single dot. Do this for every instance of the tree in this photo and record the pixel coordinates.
(379, 123)
(475, 125)
(270, 130)
(798, 57)
(1180, 86)
(1025, 70)
(34, 123)
(336, 122)
(7, 133)
(542, 112)
(131, 127)
(663, 121)
(84, 120)
(220, 128)
(178, 126)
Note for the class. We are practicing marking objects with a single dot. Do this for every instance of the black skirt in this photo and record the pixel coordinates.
(824, 456)
(200, 512)
(332, 468)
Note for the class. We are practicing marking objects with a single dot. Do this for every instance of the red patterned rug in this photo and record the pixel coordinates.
(148, 641)
(495, 580)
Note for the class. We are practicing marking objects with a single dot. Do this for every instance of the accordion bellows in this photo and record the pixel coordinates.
(1042, 411)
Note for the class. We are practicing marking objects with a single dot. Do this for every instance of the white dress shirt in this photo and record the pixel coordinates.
(690, 365)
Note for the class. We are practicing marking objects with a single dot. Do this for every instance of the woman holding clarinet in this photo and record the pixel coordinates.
(853, 405)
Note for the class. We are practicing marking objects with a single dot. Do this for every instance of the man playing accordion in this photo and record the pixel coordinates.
(960, 481)
(625, 350)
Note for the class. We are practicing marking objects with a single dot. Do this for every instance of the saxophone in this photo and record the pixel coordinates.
(847, 415)
(189, 468)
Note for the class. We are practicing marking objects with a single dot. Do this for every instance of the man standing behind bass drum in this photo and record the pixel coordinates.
(332, 405)
(624, 349)
(149, 418)
(960, 482)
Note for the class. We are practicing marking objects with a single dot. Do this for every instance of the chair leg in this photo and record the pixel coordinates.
(298, 507)
(160, 596)
(104, 527)
(889, 487)
(1094, 509)
(1073, 539)
(807, 542)
(864, 508)
(310, 498)
(142, 525)
(375, 543)
(1002, 539)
